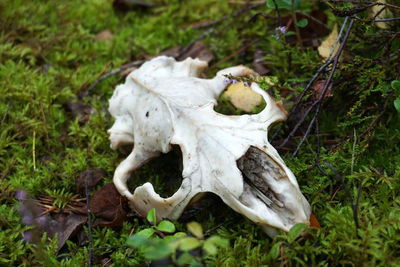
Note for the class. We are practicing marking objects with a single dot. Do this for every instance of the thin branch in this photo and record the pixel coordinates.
(354, 206)
(317, 104)
(277, 11)
(198, 38)
(386, 20)
(8, 169)
(296, 27)
(89, 224)
(5, 113)
(310, 83)
(111, 73)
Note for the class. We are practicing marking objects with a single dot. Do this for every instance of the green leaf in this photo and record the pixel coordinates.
(196, 229)
(158, 250)
(285, 4)
(295, 231)
(274, 252)
(209, 247)
(397, 104)
(151, 216)
(219, 241)
(147, 233)
(302, 23)
(166, 226)
(189, 243)
(185, 258)
(180, 234)
(137, 240)
(395, 84)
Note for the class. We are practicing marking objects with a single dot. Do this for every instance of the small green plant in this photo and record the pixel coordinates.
(159, 241)
(396, 87)
(61, 198)
(287, 238)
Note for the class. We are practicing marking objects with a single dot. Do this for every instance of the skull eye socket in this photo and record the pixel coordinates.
(238, 99)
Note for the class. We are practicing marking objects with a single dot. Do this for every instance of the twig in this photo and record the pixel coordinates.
(316, 75)
(44, 121)
(235, 53)
(198, 38)
(111, 247)
(111, 73)
(314, 19)
(296, 27)
(226, 223)
(364, 2)
(89, 225)
(354, 206)
(277, 11)
(386, 20)
(8, 169)
(5, 113)
(233, 14)
(317, 104)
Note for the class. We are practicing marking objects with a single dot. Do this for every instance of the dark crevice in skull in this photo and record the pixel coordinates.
(163, 172)
(259, 170)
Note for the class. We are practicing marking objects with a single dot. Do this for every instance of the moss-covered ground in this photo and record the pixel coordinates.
(50, 53)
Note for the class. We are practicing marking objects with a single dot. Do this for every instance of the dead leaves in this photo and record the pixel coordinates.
(91, 177)
(108, 205)
(326, 46)
(319, 86)
(242, 96)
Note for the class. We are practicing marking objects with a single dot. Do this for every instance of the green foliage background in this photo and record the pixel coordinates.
(47, 55)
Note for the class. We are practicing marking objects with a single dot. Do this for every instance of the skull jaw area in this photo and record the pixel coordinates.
(268, 198)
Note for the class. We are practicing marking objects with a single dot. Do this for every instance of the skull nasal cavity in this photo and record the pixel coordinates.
(163, 172)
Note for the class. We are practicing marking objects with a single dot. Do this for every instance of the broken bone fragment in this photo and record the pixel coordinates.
(165, 103)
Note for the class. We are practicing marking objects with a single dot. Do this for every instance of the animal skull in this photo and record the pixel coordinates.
(164, 102)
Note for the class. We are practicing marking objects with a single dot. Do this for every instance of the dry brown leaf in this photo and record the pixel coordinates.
(326, 46)
(107, 204)
(242, 96)
(383, 15)
(92, 177)
(318, 86)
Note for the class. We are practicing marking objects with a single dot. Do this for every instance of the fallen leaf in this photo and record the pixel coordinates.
(65, 226)
(385, 14)
(108, 205)
(91, 176)
(318, 86)
(326, 46)
(242, 96)
(104, 35)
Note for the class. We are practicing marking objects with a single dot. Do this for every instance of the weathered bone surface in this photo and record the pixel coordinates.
(165, 103)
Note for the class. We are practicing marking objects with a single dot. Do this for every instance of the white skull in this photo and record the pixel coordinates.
(164, 103)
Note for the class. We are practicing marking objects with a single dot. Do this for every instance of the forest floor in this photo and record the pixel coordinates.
(61, 60)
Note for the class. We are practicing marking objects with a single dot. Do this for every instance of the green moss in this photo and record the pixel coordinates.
(48, 55)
